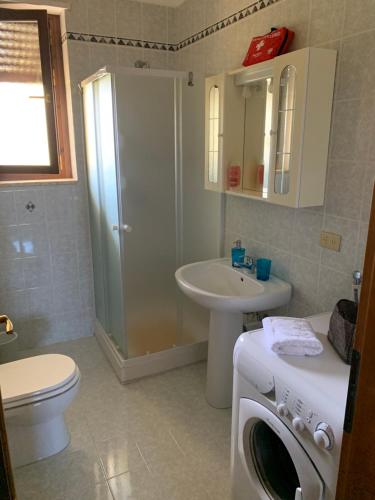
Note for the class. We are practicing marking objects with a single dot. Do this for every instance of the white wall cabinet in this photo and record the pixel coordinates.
(268, 126)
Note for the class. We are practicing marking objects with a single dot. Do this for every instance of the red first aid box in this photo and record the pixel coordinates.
(268, 46)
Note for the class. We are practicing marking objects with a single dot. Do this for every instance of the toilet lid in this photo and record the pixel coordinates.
(35, 376)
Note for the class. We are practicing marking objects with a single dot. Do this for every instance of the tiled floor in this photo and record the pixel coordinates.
(154, 439)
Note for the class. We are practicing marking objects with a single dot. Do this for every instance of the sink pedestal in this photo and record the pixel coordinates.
(225, 328)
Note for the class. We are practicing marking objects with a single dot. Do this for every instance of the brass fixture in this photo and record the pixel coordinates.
(8, 324)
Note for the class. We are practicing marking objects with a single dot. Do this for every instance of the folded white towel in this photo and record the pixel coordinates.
(291, 336)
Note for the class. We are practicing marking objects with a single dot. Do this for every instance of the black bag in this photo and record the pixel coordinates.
(342, 328)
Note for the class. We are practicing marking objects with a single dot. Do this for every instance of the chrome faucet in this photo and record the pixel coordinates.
(357, 280)
(8, 324)
(249, 264)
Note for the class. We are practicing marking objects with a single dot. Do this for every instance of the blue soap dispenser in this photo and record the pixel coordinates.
(238, 254)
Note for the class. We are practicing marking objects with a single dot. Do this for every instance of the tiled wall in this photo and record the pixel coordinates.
(117, 18)
(46, 271)
(291, 237)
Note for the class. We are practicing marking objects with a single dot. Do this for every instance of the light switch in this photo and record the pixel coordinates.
(332, 241)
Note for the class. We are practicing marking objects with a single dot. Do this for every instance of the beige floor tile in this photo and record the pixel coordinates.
(178, 481)
(135, 485)
(160, 449)
(86, 491)
(120, 455)
(64, 476)
(152, 439)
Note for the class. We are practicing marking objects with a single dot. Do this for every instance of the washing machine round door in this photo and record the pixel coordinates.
(276, 464)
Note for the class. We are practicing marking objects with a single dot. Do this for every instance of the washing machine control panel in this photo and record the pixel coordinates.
(301, 415)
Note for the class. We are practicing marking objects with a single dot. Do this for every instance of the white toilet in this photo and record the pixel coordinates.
(36, 392)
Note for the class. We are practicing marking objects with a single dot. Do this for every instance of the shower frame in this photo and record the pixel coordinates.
(128, 368)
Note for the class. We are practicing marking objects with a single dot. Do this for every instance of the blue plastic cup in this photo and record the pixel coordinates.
(263, 269)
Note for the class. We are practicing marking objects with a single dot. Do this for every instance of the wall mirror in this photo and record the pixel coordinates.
(258, 97)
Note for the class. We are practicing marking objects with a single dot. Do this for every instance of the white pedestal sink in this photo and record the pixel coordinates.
(228, 293)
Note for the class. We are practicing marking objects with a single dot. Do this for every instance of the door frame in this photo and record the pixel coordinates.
(356, 479)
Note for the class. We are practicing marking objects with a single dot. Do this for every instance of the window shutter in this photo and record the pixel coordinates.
(20, 52)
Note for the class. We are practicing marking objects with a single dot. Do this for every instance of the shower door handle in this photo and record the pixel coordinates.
(122, 227)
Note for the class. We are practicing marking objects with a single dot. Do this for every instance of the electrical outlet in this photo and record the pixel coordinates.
(331, 241)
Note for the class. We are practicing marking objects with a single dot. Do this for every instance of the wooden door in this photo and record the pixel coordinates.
(357, 468)
(7, 490)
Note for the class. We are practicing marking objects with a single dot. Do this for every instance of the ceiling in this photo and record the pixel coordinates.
(168, 3)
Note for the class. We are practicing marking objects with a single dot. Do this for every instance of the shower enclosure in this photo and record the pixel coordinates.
(144, 132)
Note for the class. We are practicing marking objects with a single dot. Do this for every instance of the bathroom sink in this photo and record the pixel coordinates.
(228, 293)
(215, 284)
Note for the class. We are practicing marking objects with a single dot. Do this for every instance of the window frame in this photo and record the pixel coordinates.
(53, 78)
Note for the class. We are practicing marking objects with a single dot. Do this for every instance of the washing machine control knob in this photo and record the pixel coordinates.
(323, 436)
(298, 424)
(282, 409)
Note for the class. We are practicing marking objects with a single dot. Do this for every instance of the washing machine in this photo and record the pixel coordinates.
(287, 423)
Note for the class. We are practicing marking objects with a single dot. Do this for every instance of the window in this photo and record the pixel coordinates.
(34, 136)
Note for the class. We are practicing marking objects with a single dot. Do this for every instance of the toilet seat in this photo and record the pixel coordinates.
(29, 380)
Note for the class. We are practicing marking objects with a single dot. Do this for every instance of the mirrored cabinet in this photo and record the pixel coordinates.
(267, 128)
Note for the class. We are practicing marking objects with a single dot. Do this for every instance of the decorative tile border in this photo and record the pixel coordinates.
(124, 42)
(226, 22)
(253, 8)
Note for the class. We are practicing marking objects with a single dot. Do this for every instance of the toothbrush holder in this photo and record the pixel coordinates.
(263, 269)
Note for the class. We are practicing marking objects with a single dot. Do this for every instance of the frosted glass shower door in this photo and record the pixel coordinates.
(104, 211)
(146, 108)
